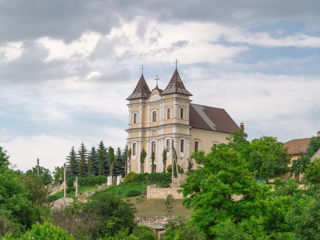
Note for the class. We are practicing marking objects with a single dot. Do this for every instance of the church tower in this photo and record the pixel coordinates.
(158, 119)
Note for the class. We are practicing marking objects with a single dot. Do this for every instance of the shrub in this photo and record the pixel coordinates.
(133, 193)
(169, 169)
(71, 189)
(53, 198)
(130, 177)
(144, 232)
(91, 180)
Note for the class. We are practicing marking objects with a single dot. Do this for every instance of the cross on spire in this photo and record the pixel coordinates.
(157, 79)
(142, 69)
(176, 62)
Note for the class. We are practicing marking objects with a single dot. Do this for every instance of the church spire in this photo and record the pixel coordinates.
(141, 91)
(176, 85)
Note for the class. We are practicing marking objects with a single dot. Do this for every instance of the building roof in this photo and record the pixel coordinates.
(141, 91)
(211, 118)
(176, 85)
(316, 155)
(295, 146)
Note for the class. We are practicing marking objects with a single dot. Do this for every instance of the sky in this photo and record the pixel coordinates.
(67, 67)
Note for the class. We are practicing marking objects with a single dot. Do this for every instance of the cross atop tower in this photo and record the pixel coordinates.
(157, 79)
(176, 62)
(142, 69)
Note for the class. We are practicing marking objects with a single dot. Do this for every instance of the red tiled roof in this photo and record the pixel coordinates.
(176, 85)
(211, 118)
(297, 145)
(141, 91)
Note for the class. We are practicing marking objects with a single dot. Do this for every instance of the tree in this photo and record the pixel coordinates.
(268, 158)
(299, 165)
(72, 164)
(164, 159)
(182, 230)
(153, 156)
(119, 164)
(94, 162)
(129, 152)
(102, 159)
(112, 159)
(4, 158)
(44, 174)
(58, 175)
(142, 158)
(168, 203)
(222, 189)
(312, 172)
(82, 156)
(313, 147)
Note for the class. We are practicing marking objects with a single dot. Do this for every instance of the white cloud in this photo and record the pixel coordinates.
(11, 51)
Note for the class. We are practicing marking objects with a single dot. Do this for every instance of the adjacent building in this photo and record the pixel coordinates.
(160, 119)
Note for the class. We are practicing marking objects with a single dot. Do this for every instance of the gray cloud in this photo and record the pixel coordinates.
(68, 19)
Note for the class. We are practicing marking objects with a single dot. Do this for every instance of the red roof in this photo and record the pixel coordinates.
(176, 85)
(295, 146)
(211, 118)
(141, 91)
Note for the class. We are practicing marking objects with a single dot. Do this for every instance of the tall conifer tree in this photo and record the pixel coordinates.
(93, 159)
(102, 159)
(72, 164)
(82, 156)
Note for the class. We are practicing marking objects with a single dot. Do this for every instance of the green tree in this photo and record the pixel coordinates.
(299, 165)
(72, 164)
(143, 155)
(82, 156)
(164, 159)
(168, 203)
(94, 162)
(112, 159)
(44, 174)
(102, 159)
(268, 158)
(182, 230)
(4, 158)
(312, 172)
(313, 147)
(211, 190)
(58, 174)
(44, 232)
(153, 156)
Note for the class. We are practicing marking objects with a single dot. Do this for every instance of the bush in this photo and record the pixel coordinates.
(144, 232)
(91, 180)
(70, 181)
(130, 177)
(71, 189)
(133, 193)
(169, 169)
(53, 198)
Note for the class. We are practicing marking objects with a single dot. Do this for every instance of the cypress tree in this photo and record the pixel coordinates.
(118, 165)
(82, 156)
(93, 163)
(72, 164)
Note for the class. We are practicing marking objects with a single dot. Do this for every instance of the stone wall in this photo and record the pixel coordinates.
(161, 193)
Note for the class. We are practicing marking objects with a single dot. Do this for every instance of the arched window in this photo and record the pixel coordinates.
(153, 146)
(168, 113)
(154, 116)
(135, 115)
(181, 113)
(196, 146)
(182, 146)
(134, 146)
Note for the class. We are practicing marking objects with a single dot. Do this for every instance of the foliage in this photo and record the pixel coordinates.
(113, 214)
(112, 159)
(168, 203)
(182, 231)
(133, 193)
(169, 169)
(164, 159)
(4, 158)
(87, 181)
(44, 232)
(102, 160)
(299, 166)
(72, 164)
(313, 147)
(129, 152)
(44, 174)
(143, 155)
(124, 188)
(130, 177)
(153, 157)
(93, 162)
(143, 232)
(312, 172)
(210, 190)
(82, 158)
(58, 175)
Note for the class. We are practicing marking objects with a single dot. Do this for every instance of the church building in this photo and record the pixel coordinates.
(160, 119)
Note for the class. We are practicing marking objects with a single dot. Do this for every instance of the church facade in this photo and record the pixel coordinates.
(166, 119)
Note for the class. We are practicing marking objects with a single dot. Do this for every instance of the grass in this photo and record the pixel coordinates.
(60, 194)
(124, 188)
(156, 207)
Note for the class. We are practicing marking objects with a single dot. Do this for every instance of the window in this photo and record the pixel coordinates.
(196, 146)
(134, 145)
(168, 113)
(168, 144)
(135, 117)
(182, 145)
(154, 116)
(153, 146)
(181, 113)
